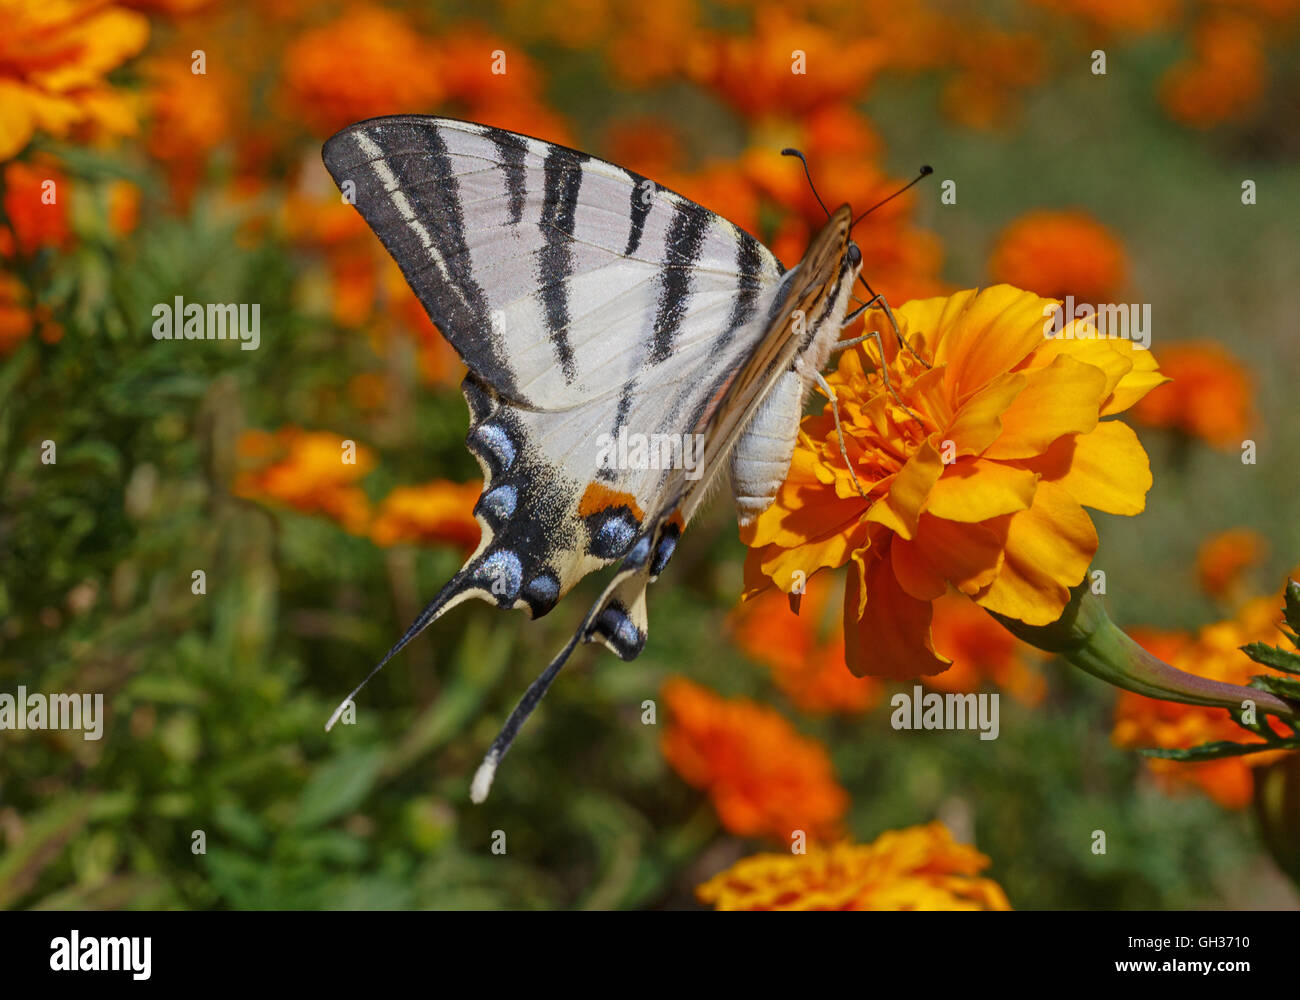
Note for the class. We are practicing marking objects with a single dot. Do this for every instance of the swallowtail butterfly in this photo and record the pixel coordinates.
(588, 301)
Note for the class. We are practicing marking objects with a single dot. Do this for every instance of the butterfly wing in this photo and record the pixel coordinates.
(558, 277)
(586, 301)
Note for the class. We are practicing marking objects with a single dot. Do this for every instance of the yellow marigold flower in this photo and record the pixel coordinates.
(978, 484)
(307, 471)
(1060, 253)
(763, 777)
(439, 511)
(54, 57)
(1223, 560)
(1213, 652)
(920, 868)
(1208, 396)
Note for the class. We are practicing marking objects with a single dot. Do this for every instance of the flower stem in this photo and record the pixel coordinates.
(1086, 637)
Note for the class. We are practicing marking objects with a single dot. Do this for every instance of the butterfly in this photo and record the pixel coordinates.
(591, 305)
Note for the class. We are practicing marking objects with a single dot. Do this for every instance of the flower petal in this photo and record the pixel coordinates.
(1048, 550)
(902, 505)
(891, 638)
(1106, 469)
(1062, 398)
(978, 489)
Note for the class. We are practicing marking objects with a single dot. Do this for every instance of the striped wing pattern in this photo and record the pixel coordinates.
(585, 301)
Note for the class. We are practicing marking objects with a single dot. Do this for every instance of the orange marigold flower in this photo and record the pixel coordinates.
(189, 118)
(307, 470)
(439, 511)
(16, 320)
(1224, 79)
(1214, 652)
(36, 204)
(1060, 253)
(979, 483)
(763, 777)
(1120, 16)
(784, 63)
(54, 57)
(982, 651)
(804, 650)
(367, 62)
(123, 207)
(1223, 559)
(919, 868)
(1208, 396)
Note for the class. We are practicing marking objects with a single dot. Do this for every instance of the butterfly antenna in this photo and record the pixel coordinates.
(790, 151)
(426, 618)
(482, 783)
(925, 171)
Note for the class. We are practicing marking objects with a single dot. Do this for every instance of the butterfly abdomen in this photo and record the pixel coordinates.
(761, 459)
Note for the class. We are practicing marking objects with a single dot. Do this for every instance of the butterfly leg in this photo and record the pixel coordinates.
(889, 314)
(808, 370)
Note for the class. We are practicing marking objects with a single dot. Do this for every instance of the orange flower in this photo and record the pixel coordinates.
(763, 777)
(784, 63)
(982, 651)
(1213, 652)
(1223, 559)
(1224, 79)
(123, 207)
(307, 470)
(978, 484)
(806, 656)
(920, 868)
(367, 62)
(1208, 396)
(1058, 254)
(1120, 16)
(36, 204)
(16, 318)
(189, 118)
(434, 512)
(54, 57)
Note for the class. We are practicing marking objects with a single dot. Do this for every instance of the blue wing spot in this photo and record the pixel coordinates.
(665, 549)
(501, 574)
(542, 593)
(616, 625)
(640, 552)
(496, 440)
(612, 532)
(499, 504)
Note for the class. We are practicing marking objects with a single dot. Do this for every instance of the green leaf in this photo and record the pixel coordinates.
(1206, 751)
(1292, 609)
(338, 787)
(1283, 687)
(1273, 656)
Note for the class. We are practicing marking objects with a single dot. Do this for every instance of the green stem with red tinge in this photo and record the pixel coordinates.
(1086, 637)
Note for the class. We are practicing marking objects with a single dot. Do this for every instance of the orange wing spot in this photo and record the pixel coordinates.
(599, 497)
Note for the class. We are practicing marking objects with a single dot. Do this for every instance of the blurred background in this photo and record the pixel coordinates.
(156, 148)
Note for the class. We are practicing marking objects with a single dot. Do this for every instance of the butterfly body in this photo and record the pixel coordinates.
(591, 304)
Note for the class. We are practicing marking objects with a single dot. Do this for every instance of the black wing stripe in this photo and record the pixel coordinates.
(562, 173)
(685, 241)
